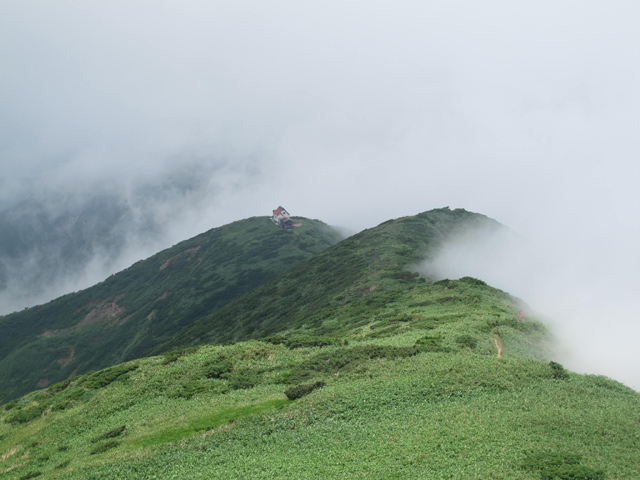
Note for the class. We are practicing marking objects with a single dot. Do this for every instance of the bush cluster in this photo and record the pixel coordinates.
(29, 475)
(25, 415)
(173, 355)
(103, 447)
(309, 341)
(558, 371)
(242, 379)
(298, 391)
(187, 389)
(217, 367)
(108, 375)
(560, 466)
(430, 343)
(332, 362)
(116, 432)
(59, 387)
(10, 404)
(467, 341)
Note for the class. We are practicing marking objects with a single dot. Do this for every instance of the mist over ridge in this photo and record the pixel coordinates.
(588, 303)
(64, 238)
(352, 113)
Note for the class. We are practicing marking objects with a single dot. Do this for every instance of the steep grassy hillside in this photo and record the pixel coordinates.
(339, 287)
(416, 391)
(134, 310)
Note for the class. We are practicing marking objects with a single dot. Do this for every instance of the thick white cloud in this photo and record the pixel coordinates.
(350, 111)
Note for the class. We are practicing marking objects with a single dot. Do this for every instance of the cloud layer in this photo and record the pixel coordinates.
(353, 112)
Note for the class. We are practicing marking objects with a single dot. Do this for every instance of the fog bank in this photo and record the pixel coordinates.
(585, 296)
(351, 112)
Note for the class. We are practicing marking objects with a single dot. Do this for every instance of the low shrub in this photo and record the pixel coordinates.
(108, 375)
(103, 447)
(217, 367)
(572, 472)
(173, 355)
(467, 341)
(29, 475)
(384, 332)
(242, 379)
(59, 387)
(332, 362)
(25, 415)
(383, 351)
(274, 339)
(9, 405)
(560, 466)
(187, 389)
(61, 405)
(473, 281)
(430, 343)
(558, 371)
(309, 341)
(116, 432)
(298, 391)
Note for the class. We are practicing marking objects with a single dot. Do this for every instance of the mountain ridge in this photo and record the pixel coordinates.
(347, 364)
(349, 280)
(126, 314)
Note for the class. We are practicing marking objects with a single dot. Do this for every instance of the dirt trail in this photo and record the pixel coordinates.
(498, 346)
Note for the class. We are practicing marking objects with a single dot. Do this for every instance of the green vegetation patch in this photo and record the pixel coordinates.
(103, 447)
(30, 475)
(431, 343)
(116, 432)
(108, 375)
(25, 415)
(558, 371)
(217, 367)
(560, 466)
(208, 423)
(333, 361)
(309, 341)
(173, 355)
(299, 391)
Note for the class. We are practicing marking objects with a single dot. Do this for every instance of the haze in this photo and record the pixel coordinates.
(353, 112)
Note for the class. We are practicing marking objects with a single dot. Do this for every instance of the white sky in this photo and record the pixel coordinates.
(355, 112)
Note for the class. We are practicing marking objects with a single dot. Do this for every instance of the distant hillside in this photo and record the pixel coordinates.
(340, 286)
(55, 240)
(134, 310)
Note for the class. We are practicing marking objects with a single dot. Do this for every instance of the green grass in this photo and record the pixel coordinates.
(208, 422)
(366, 371)
(378, 409)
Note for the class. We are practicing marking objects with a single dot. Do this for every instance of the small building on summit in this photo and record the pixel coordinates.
(282, 218)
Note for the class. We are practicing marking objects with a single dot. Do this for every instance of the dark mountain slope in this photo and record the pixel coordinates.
(340, 286)
(137, 308)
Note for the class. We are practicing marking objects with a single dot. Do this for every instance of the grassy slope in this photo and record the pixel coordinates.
(446, 409)
(413, 387)
(339, 287)
(132, 311)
